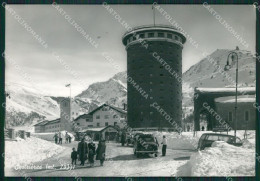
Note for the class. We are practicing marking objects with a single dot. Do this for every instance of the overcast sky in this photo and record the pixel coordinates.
(49, 75)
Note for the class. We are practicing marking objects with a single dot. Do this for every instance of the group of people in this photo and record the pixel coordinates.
(87, 151)
(58, 137)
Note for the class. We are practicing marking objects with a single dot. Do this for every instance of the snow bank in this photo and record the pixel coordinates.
(50, 136)
(223, 159)
(23, 152)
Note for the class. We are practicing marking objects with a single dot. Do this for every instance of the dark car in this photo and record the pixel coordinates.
(207, 139)
(145, 144)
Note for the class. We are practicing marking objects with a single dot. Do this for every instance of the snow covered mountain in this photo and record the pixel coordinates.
(28, 106)
(112, 91)
(206, 74)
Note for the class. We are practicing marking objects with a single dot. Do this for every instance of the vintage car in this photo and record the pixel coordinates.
(145, 144)
(207, 139)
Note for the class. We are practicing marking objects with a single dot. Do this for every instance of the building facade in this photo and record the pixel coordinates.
(154, 62)
(246, 112)
(84, 121)
(211, 106)
(48, 126)
(105, 115)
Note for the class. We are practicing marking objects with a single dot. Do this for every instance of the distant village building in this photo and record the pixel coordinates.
(104, 115)
(60, 124)
(107, 133)
(214, 107)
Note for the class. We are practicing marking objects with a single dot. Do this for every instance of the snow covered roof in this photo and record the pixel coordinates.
(113, 107)
(82, 116)
(225, 89)
(47, 122)
(231, 99)
(97, 129)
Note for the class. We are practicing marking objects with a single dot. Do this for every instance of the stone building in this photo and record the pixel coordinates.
(104, 115)
(215, 106)
(154, 63)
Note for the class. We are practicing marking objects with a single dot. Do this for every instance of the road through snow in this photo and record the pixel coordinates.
(120, 161)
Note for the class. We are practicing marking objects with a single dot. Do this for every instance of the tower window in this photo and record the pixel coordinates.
(160, 34)
(141, 35)
(169, 35)
(230, 116)
(247, 116)
(150, 35)
(176, 37)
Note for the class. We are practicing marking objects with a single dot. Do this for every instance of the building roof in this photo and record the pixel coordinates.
(82, 116)
(231, 99)
(43, 123)
(97, 129)
(113, 107)
(224, 89)
(159, 27)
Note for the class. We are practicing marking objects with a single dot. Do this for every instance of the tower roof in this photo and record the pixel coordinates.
(147, 28)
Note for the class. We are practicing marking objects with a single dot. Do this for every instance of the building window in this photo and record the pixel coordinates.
(176, 38)
(246, 116)
(72, 113)
(98, 124)
(87, 119)
(150, 35)
(90, 126)
(97, 116)
(106, 124)
(169, 36)
(65, 104)
(115, 116)
(106, 116)
(160, 34)
(230, 116)
(141, 35)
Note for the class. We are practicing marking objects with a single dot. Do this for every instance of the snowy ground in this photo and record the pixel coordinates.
(24, 152)
(181, 160)
(223, 159)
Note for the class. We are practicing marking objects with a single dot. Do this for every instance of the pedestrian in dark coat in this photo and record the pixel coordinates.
(101, 151)
(73, 156)
(69, 139)
(82, 151)
(56, 138)
(92, 152)
(60, 138)
(123, 136)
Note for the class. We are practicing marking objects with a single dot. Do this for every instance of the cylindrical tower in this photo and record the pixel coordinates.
(154, 62)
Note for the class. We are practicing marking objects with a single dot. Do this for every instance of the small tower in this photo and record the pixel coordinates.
(65, 114)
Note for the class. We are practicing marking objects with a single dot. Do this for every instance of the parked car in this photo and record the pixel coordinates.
(145, 144)
(207, 139)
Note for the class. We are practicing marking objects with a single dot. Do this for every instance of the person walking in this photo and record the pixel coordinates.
(56, 138)
(92, 152)
(164, 143)
(82, 151)
(101, 151)
(60, 138)
(123, 136)
(67, 137)
(74, 155)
